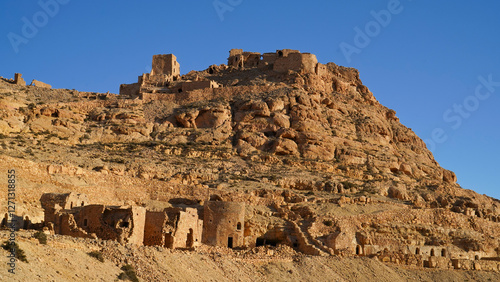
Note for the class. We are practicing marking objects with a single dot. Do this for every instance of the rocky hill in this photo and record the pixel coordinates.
(309, 149)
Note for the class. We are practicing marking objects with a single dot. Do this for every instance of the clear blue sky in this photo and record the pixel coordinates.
(424, 61)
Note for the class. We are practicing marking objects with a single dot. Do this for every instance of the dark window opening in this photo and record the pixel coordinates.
(83, 203)
(180, 90)
(124, 224)
(26, 222)
(230, 242)
(432, 253)
(359, 251)
(269, 242)
(85, 222)
(443, 252)
(417, 251)
(238, 226)
(280, 53)
(71, 205)
(476, 257)
(189, 240)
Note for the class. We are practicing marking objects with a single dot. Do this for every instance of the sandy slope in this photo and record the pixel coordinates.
(66, 259)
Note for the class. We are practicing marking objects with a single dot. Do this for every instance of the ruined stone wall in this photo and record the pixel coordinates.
(123, 224)
(296, 62)
(465, 264)
(65, 224)
(138, 221)
(286, 52)
(18, 80)
(269, 58)
(154, 228)
(130, 90)
(194, 85)
(89, 218)
(438, 262)
(65, 201)
(321, 69)
(238, 58)
(40, 84)
(223, 224)
(189, 229)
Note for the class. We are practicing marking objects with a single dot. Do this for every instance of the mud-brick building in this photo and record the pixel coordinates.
(70, 214)
(55, 202)
(173, 228)
(223, 224)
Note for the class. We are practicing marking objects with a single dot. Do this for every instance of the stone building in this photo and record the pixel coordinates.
(55, 202)
(240, 59)
(223, 224)
(173, 228)
(70, 214)
(281, 61)
(165, 65)
(164, 78)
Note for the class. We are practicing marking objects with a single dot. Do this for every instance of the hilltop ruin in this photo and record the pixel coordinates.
(295, 154)
(165, 75)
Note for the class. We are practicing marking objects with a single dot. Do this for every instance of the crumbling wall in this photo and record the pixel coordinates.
(130, 90)
(268, 59)
(18, 80)
(40, 84)
(154, 228)
(65, 200)
(223, 224)
(297, 62)
(286, 52)
(238, 58)
(123, 224)
(65, 224)
(194, 85)
(486, 265)
(189, 229)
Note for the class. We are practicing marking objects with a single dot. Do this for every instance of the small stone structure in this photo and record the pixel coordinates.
(18, 79)
(70, 214)
(164, 78)
(165, 65)
(281, 61)
(52, 203)
(173, 228)
(40, 84)
(223, 224)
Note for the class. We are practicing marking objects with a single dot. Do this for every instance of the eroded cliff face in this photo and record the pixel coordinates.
(313, 154)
